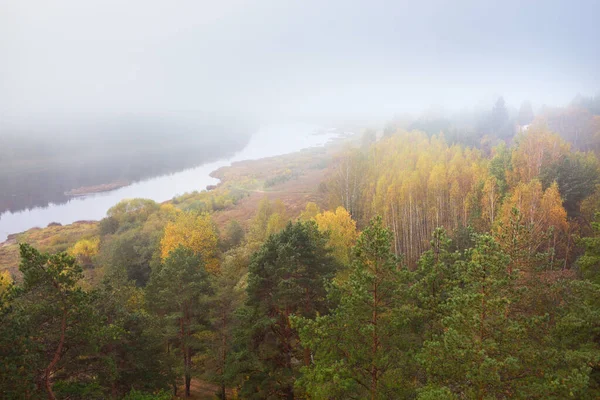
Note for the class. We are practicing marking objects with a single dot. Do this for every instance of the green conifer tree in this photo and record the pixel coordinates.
(362, 349)
(287, 276)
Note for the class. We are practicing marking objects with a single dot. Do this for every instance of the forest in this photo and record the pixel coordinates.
(434, 260)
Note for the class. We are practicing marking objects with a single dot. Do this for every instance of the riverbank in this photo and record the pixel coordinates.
(252, 180)
(268, 141)
(53, 238)
(44, 168)
(107, 187)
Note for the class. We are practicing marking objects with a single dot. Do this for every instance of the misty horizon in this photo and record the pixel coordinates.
(269, 60)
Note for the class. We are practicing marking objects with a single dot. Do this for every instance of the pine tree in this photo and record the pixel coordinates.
(435, 278)
(526, 114)
(49, 331)
(512, 334)
(178, 292)
(217, 338)
(361, 350)
(287, 276)
(473, 356)
(589, 262)
(135, 348)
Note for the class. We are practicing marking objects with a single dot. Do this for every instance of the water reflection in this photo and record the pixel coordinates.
(270, 140)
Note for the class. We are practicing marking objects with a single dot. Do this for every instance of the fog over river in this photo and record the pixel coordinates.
(270, 140)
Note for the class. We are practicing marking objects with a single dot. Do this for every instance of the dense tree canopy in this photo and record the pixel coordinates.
(461, 264)
(361, 349)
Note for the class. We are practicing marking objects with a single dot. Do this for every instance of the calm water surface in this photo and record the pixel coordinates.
(270, 140)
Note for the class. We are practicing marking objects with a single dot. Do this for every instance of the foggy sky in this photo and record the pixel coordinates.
(278, 58)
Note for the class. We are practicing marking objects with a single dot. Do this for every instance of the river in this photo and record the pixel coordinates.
(270, 140)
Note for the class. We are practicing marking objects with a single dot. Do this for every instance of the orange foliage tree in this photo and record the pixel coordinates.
(532, 221)
(536, 149)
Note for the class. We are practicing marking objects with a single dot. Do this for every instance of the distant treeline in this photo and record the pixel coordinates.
(39, 163)
(578, 122)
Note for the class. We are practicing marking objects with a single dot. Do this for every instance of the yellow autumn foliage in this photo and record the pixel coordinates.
(85, 250)
(490, 200)
(417, 183)
(195, 232)
(5, 280)
(536, 149)
(542, 216)
(342, 232)
(270, 218)
(310, 211)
